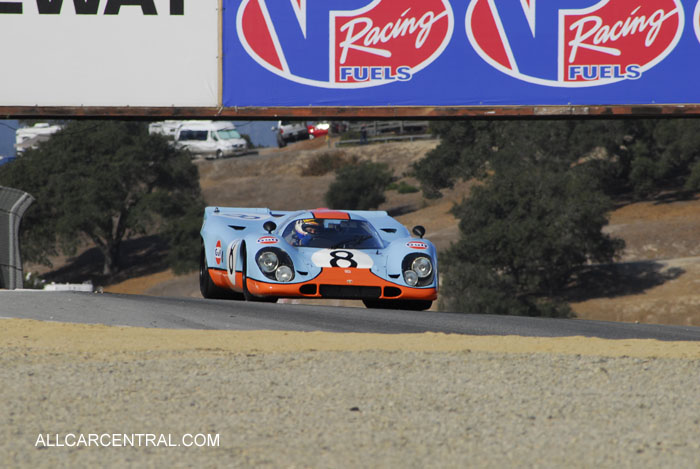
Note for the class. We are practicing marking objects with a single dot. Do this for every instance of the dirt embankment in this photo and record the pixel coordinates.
(278, 399)
(656, 282)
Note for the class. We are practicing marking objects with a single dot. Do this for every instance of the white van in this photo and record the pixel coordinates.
(31, 137)
(211, 139)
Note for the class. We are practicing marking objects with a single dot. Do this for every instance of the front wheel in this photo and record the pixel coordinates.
(207, 287)
(409, 305)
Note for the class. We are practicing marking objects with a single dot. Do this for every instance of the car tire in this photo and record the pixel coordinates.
(206, 284)
(280, 141)
(219, 154)
(409, 305)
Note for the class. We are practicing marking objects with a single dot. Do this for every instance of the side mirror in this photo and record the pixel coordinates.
(419, 231)
(269, 226)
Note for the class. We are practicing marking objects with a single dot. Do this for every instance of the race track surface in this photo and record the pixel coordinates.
(170, 313)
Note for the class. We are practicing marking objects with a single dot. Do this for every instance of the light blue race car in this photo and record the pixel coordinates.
(261, 255)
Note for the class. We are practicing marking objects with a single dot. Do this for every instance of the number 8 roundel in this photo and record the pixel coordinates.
(342, 258)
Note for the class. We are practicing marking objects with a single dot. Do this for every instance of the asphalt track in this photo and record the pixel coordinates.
(179, 313)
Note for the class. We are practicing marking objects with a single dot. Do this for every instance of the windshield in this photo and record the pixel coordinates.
(228, 134)
(332, 234)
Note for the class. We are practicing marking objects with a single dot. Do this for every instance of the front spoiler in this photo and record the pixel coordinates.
(340, 283)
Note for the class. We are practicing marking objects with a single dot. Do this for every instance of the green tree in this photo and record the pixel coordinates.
(105, 181)
(640, 157)
(359, 186)
(523, 236)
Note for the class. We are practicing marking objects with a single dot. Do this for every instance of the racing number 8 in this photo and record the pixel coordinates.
(348, 257)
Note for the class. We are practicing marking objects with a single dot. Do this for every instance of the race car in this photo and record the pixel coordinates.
(257, 254)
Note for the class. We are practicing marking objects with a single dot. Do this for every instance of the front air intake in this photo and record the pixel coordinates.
(391, 292)
(308, 289)
(349, 292)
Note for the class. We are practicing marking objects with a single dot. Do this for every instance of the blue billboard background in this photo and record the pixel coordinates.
(457, 74)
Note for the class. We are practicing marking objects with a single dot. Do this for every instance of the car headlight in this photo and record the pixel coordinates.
(422, 266)
(284, 274)
(418, 270)
(268, 262)
(275, 264)
(411, 278)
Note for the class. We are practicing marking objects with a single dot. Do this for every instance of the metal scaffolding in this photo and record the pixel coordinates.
(13, 204)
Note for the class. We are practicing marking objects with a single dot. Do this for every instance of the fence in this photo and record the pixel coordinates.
(386, 139)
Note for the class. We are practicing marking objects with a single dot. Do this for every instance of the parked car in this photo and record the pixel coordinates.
(290, 131)
(319, 129)
(211, 139)
(166, 128)
(263, 255)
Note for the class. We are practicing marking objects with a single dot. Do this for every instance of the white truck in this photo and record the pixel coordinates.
(210, 139)
(290, 131)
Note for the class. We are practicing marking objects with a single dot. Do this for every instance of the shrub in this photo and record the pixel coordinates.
(326, 162)
(403, 187)
(359, 186)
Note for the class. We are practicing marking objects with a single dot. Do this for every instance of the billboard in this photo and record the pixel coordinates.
(243, 58)
(114, 53)
(460, 53)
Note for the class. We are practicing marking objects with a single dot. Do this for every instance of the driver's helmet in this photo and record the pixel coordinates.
(306, 229)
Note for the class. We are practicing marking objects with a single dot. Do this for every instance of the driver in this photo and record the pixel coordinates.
(306, 230)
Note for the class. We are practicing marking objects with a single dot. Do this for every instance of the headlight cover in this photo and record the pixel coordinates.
(284, 274)
(411, 278)
(422, 266)
(275, 264)
(268, 262)
(418, 270)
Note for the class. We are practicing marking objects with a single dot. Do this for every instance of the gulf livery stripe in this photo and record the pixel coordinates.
(330, 214)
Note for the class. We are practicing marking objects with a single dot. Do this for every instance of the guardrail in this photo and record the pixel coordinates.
(375, 128)
(386, 139)
(13, 204)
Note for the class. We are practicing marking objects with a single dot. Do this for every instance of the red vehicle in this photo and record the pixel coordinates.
(318, 130)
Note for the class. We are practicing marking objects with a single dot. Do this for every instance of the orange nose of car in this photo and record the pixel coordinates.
(338, 282)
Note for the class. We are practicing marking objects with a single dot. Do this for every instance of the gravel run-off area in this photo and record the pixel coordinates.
(308, 403)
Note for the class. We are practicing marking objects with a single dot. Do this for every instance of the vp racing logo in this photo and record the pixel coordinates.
(345, 43)
(574, 43)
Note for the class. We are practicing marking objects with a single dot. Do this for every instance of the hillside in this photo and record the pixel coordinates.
(656, 281)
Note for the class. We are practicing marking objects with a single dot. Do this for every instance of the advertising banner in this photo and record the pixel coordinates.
(306, 53)
(119, 53)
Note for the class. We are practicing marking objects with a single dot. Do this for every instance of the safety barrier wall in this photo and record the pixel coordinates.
(13, 204)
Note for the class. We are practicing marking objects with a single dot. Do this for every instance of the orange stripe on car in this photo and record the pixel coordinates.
(221, 280)
(324, 214)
